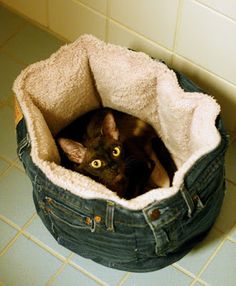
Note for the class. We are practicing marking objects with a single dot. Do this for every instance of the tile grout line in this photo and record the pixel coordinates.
(47, 14)
(92, 9)
(210, 259)
(183, 270)
(65, 263)
(34, 22)
(43, 246)
(9, 222)
(140, 35)
(12, 164)
(188, 273)
(16, 165)
(55, 275)
(177, 27)
(14, 58)
(6, 171)
(59, 270)
(204, 283)
(87, 273)
(19, 29)
(108, 13)
(215, 10)
(124, 279)
(18, 234)
(130, 30)
(231, 239)
(230, 181)
(22, 231)
(8, 161)
(204, 69)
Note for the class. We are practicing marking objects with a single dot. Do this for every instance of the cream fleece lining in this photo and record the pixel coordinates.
(82, 75)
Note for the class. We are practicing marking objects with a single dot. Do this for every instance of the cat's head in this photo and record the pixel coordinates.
(101, 157)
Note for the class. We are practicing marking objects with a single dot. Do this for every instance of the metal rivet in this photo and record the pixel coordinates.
(47, 210)
(88, 220)
(49, 200)
(97, 219)
(155, 214)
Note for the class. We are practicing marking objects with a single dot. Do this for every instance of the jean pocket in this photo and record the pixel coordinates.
(65, 218)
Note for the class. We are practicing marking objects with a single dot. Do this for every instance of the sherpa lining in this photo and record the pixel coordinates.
(82, 75)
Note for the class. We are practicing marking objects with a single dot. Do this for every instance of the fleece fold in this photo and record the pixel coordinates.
(89, 74)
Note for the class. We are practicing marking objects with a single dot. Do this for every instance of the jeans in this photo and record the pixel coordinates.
(135, 241)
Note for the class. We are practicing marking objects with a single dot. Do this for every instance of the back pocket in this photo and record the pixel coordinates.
(65, 218)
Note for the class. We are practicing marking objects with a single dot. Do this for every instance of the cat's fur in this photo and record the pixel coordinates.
(116, 149)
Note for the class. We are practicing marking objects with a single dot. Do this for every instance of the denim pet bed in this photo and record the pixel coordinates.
(153, 230)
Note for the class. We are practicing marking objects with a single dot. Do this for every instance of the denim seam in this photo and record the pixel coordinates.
(64, 221)
(109, 221)
(25, 142)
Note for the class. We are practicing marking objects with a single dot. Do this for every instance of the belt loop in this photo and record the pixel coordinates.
(110, 216)
(23, 144)
(188, 200)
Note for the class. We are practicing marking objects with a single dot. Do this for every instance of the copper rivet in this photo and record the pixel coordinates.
(88, 220)
(49, 200)
(98, 218)
(155, 214)
(47, 210)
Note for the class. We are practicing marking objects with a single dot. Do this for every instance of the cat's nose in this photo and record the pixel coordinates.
(118, 178)
(114, 167)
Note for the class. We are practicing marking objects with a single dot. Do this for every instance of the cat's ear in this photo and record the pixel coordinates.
(109, 127)
(74, 150)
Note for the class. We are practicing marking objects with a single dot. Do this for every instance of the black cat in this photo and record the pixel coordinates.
(115, 149)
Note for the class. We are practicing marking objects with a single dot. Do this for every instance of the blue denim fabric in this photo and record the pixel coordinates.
(136, 241)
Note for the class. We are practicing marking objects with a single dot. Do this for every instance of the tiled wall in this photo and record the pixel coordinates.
(198, 37)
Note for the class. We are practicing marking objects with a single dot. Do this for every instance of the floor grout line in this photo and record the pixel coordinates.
(124, 279)
(58, 271)
(19, 233)
(5, 172)
(43, 246)
(230, 233)
(19, 29)
(9, 222)
(230, 181)
(67, 260)
(231, 240)
(202, 282)
(23, 231)
(14, 58)
(87, 273)
(203, 269)
(183, 270)
(8, 161)
(33, 22)
(56, 274)
(11, 164)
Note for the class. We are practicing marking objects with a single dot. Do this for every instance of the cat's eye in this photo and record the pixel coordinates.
(96, 164)
(116, 151)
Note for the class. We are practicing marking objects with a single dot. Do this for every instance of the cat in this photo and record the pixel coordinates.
(116, 149)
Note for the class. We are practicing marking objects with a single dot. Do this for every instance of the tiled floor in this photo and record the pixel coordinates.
(29, 256)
